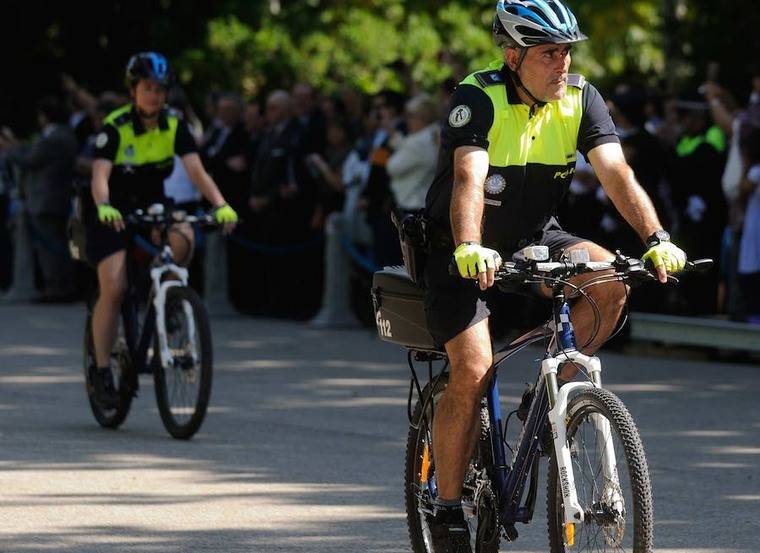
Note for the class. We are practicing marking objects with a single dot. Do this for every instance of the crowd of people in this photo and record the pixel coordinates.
(316, 176)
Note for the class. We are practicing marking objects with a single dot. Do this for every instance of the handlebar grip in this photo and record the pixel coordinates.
(453, 269)
(697, 266)
(700, 265)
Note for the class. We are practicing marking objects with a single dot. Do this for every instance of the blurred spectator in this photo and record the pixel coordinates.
(749, 254)
(283, 203)
(178, 185)
(412, 165)
(255, 125)
(646, 157)
(6, 250)
(387, 107)
(355, 107)
(695, 177)
(347, 229)
(47, 173)
(224, 150)
(81, 105)
(311, 118)
(722, 109)
(327, 171)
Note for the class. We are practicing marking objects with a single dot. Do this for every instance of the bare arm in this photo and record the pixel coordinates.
(466, 211)
(202, 180)
(101, 172)
(623, 189)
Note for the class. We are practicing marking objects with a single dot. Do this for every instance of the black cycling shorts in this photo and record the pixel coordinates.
(454, 304)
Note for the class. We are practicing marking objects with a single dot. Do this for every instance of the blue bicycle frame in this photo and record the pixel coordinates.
(509, 478)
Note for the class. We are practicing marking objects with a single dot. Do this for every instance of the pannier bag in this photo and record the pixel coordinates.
(400, 310)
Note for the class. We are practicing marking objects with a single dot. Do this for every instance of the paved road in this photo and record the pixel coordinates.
(303, 447)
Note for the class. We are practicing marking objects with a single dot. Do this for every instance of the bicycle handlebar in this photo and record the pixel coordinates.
(626, 268)
(140, 218)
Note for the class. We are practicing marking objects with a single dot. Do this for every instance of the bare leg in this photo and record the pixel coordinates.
(182, 242)
(456, 416)
(112, 279)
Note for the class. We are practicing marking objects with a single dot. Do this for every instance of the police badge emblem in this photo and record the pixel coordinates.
(495, 184)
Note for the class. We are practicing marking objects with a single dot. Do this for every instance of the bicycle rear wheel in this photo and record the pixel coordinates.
(121, 367)
(479, 502)
(618, 510)
(183, 389)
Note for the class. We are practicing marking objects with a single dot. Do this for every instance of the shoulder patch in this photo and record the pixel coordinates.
(460, 116)
(490, 78)
(576, 80)
(101, 140)
(122, 119)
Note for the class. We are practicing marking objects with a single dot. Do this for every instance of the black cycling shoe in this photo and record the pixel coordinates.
(448, 530)
(105, 391)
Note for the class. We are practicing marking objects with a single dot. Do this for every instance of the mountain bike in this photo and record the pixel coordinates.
(599, 495)
(164, 330)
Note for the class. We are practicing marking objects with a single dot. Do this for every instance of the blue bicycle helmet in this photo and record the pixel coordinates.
(148, 65)
(526, 23)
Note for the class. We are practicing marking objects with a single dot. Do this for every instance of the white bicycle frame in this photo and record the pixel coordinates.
(557, 417)
(159, 301)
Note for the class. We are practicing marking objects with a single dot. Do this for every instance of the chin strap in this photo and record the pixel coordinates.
(145, 115)
(519, 84)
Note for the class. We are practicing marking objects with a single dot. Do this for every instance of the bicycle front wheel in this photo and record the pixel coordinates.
(184, 387)
(616, 496)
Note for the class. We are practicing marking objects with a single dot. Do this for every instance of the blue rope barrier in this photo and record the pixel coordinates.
(61, 250)
(271, 249)
(363, 261)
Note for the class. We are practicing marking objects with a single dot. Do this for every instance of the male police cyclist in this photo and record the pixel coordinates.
(134, 155)
(507, 157)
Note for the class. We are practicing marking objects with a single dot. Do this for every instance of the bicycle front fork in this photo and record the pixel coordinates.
(558, 401)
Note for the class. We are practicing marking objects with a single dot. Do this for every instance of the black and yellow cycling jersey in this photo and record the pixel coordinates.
(531, 154)
(142, 158)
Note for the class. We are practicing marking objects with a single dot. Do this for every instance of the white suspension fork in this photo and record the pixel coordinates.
(159, 303)
(558, 400)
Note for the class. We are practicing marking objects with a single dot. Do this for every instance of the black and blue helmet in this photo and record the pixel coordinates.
(148, 65)
(526, 23)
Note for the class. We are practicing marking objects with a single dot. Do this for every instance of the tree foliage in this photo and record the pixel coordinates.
(255, 46)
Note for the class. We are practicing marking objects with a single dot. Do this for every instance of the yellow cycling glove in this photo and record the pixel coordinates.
(225, 215)
(473, 259)
(668, 255)
(108, 214)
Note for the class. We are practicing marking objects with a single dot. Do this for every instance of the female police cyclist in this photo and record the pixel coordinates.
(134, 155)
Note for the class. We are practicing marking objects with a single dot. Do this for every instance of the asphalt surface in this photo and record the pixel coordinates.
(302, 450)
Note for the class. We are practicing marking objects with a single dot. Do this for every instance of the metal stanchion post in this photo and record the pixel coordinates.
(216, 294)
(22, 289)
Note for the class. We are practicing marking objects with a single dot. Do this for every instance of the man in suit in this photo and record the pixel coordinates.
(47, 167)
(283, 200)
(224, 151)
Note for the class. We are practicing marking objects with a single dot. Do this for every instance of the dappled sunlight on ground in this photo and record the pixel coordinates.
(302, 450)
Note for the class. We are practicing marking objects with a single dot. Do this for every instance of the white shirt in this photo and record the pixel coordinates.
(412, 167)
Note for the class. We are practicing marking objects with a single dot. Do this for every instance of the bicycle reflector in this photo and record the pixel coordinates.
(569, 534)
(425, 468)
